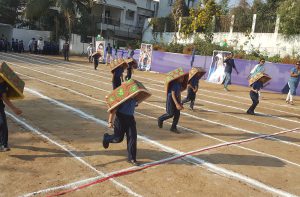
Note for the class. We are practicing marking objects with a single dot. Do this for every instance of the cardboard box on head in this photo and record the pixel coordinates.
(118, 63)
(174, 75)
(15, 83)
(196, 70)
(263, 77)
(129, 89)
(132, 62)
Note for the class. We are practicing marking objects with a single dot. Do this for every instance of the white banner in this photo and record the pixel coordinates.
(145, 58)
(100, 47)
(217, 68)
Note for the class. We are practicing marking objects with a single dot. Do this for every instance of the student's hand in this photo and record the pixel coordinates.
(17, 111)
(110, 125)
(179, 107)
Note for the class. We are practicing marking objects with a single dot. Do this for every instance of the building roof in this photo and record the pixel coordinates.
(130, 1)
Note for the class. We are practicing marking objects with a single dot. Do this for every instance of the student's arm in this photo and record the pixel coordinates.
(111, 118)
(254, 90)
(294, 74)
(196, 88)
(178, 105)
(122, 77)
(16, 110)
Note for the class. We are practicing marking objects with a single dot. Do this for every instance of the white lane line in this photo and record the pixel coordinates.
(209, 166)
(153, 118)
(226, 94)
(186, 114)
(63, 147)
(209, 96)
(90, 180)
(226, 114)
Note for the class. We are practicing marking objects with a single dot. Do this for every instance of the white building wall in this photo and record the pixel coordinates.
(76, 46)
(267, 43)
(27, 35)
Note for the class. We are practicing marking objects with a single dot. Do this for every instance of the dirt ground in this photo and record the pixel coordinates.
(57, 141)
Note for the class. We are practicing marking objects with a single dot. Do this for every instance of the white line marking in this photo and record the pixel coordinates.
(186, 114)
(245, 119)
(197, 161)
(151, 117)
(63, 147)
(90, 180)
(209, 96)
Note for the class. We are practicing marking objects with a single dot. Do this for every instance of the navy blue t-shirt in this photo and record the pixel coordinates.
(176, 87)
(118, 72)
(3, 89)
(194, 81)
(109, 49)
(127, 107)
(257, 85)
(229, 65)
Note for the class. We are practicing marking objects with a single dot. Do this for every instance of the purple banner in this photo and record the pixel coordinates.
(164, 62)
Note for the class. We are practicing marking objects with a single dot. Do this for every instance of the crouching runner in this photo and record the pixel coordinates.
(122, 102)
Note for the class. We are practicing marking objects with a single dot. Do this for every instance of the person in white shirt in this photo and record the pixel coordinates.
(30, 45)
(259, 68)
(40, 45)
(90, 51)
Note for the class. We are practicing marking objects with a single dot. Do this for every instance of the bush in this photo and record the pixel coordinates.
(275, 59)
(175, 48)
(206, 49)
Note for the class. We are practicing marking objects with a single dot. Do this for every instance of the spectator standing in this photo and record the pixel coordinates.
(66, 49)
(108, 53)
(30, 45)
(90, 52)
(40, 45)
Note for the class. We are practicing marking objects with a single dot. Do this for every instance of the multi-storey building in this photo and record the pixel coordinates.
(122, 19)
(165, 6)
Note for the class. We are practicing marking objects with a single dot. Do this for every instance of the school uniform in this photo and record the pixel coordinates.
(228, 70)
(254, 96)
(66, 49)
(117, 77)
(171, 110)
(293, 84)
(191, 96)
(124, 123)
(129, 72)
(3, 122)
(96, 60)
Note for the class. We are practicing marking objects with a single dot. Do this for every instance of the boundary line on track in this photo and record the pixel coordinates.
(201, 94)
(157, 106)
(170, 159)
(150, 117)
(63, 147)
(194, 160)
(69, 63)
(184, 113)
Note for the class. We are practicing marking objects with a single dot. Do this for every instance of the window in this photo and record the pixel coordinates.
(170, 2)
(148, 5)
(130, 15)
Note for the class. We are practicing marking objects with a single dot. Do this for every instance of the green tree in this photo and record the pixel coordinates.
(224, 7)
(67, 9)
(289, 12)
(179, 9)
(243, 17)
(203, 18)
(8, 11)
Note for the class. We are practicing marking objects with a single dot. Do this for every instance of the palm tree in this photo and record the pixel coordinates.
(68, 9)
